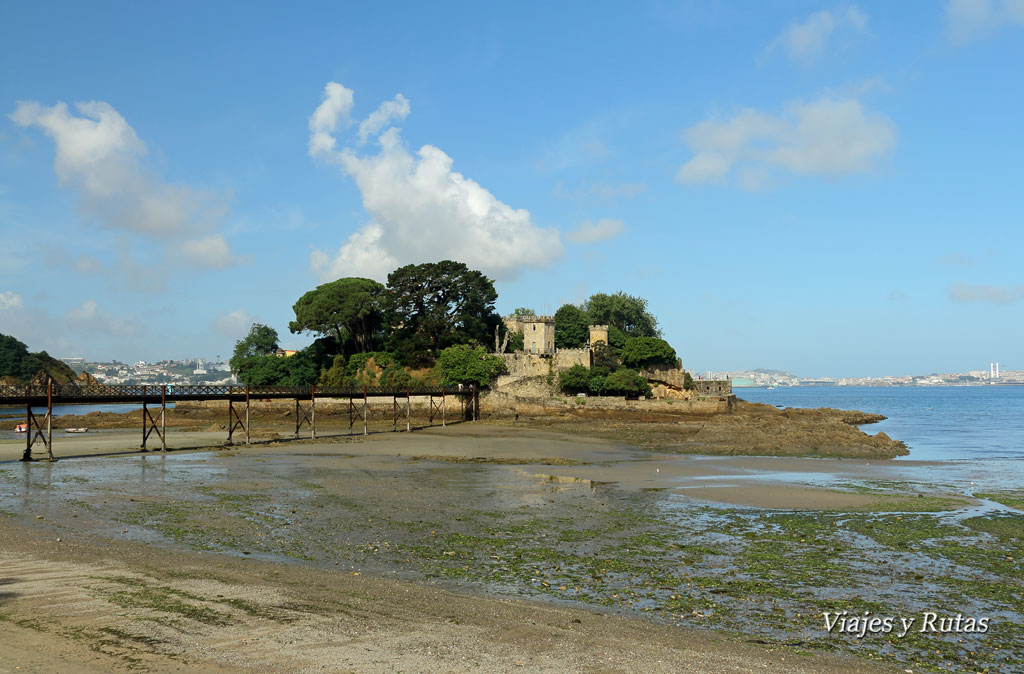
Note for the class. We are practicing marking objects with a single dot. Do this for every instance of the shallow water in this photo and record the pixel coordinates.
(938, 423)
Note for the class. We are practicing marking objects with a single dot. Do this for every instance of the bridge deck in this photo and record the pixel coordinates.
(155, 394)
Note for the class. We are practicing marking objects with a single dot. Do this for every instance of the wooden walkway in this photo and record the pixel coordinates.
(40, 426)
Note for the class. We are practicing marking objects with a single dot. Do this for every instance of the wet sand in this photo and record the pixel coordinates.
(769, 482)
(357, 554)
(63, 613)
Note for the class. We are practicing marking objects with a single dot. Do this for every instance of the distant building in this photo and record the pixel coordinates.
(285, 353)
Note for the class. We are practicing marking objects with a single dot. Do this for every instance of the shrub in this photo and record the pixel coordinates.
(463, 364)
(574, 379)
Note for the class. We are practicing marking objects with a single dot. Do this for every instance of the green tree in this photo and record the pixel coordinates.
(348, 307)
(524, 311)
(574, 379)
(335, 374)
(641, 352)
(627, 382)
(441, 304)
(604, 356)
(572, 327)
(262, 370)
(623, 311)
(261, 341)
(516, 342)
(464, 364)
(301, 369)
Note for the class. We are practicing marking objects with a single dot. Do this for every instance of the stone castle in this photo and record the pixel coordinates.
(540, 357)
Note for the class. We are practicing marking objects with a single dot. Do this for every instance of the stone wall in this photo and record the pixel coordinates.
(566, 358)
(520, 365)
(503, 405)
(713, 387)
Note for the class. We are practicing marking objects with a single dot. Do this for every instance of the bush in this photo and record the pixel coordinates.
(627, 382)
(395, 377)
(463, 364)
(574, 379)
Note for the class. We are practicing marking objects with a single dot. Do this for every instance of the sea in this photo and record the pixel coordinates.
(938, 423)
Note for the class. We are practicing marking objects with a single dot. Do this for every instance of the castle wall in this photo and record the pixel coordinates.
(714, 387)
(566, 358)
(520, 365)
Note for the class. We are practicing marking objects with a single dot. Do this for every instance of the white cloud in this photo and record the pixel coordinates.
(335, 108)
(807, 42)
(10, 300)
(99, 156)
(361, 255)
(233, 324)
(969, 20)
(422, 211)
(211, 252)
(829, 137)
(396, 110)
(966, 292)
(90, 318)
(589, 232)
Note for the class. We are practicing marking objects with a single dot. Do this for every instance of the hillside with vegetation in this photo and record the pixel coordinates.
(19, 367)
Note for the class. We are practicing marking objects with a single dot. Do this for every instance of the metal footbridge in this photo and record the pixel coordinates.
(40, 425)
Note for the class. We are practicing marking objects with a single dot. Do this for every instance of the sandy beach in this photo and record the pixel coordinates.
(480, 547)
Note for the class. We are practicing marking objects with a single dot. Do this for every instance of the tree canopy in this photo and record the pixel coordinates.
(641, 352)
(625, 312)
(348, 307)
(572, 327)
(261, 341)
(463, 364)
(439, 304)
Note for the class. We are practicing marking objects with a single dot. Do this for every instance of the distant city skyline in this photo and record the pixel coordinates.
(829, 189)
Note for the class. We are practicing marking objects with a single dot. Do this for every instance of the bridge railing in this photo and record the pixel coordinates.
(115, 391)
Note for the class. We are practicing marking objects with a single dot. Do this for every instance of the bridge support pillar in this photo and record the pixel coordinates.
(235, 419)
(161, 432)
(302, 416)
(35, 427)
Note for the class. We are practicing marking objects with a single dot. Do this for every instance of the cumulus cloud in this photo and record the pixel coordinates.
(335, 109)
(969, 20)
(387, 112)
(806, 42)
(233, 324)
(100, 158)
(421, 209)
(90, 318)
(829, 137)
(10, 300)
(966, 292)
(589, 232)
(211, 252)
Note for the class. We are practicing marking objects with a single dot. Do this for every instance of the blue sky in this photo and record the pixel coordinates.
(831, 189)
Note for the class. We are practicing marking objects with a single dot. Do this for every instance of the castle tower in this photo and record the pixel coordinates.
(598, 333)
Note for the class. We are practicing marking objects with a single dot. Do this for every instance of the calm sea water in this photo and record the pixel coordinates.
(937, 422)
(61, 410)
